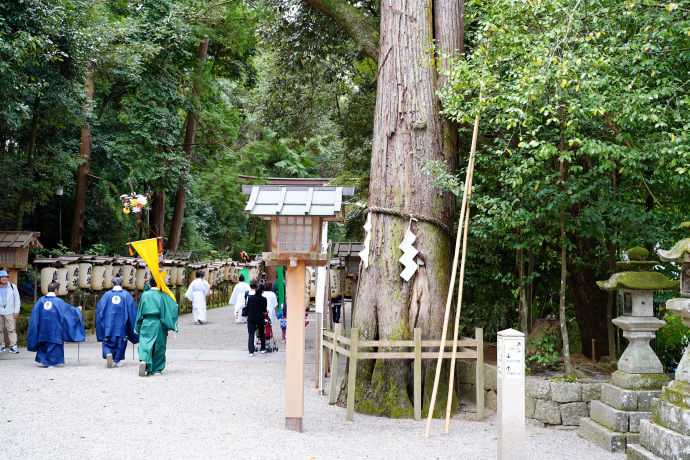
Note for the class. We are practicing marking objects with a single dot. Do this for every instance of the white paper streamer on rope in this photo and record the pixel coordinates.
(364, 253)
(409, 253)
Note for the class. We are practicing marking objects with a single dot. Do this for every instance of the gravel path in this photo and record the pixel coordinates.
(213, 401)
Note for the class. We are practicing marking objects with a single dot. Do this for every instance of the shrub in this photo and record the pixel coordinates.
(672, 339)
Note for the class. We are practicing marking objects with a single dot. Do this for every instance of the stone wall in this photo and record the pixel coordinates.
(466, 377)
(559, 403)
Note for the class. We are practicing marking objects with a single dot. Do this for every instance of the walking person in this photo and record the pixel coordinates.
(156, 316)
(9, 311)
(256, 307)
(272, 301)
(237, 299)
(53, 322)
(116, 314)
(197, 292)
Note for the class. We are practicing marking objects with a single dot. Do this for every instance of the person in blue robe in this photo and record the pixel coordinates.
(53, 322)
(116, 315)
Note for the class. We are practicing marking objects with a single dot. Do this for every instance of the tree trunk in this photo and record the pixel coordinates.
(530, 289)
(612, 294)
(407, 127)
(190, 132)
(561, 314)
(524, 327)
(82, 171)
(590, 302)
(31, 161)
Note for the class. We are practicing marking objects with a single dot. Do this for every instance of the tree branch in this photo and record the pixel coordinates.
(362, 29)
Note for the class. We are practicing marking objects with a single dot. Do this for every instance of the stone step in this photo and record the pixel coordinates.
(610, 417)
(677, 393)
(617, 420)
(673, 417)
(637, 452)
(663, 442)
(628, 400)
(601, 436)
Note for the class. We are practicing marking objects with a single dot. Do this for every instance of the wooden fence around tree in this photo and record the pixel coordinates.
(348, 343)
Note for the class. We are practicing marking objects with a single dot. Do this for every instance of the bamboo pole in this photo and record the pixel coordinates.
(470, 167)
(461, 283)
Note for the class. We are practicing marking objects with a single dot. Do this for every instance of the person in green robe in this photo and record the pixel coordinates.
(157, 314)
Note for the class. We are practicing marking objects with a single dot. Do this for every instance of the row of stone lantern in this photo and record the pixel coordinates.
(95, 273)
(666, 433)
(641, 411)
(615, 420)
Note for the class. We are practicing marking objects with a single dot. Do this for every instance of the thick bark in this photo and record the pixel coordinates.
(31, 161)
(188, 147)
(590, 302)
(362, 29)
(407, 127)
(82, 172)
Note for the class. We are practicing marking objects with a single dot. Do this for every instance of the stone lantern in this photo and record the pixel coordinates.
(615, 420)
(296, 215)
(666, 434)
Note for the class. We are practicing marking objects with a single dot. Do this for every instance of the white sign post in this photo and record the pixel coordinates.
(511, 395)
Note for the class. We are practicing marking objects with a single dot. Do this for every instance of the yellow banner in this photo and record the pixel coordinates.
(148, 250)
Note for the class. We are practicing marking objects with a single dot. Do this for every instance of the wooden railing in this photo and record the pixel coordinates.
(348, 343)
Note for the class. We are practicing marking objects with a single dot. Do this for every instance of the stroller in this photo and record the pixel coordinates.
(271, 344)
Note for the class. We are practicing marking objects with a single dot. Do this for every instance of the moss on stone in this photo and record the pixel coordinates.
(675, 254)
(637, 265)
(638, 253)
(639, 281)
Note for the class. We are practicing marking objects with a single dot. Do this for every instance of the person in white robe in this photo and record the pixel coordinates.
(238, 299)
(197, 292)
(271, 303)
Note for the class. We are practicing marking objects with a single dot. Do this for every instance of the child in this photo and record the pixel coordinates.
(283, 321)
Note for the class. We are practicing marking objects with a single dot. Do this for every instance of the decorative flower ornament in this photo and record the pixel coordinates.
(136, 202)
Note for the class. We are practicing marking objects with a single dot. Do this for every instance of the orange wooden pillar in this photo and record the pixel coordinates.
(294, 360)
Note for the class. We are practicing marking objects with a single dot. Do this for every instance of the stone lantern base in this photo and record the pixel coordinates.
(615, 421)
(667, 434)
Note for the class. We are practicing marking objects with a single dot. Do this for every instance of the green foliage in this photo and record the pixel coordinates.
(672, 339)
(546, 352)
(597, 86)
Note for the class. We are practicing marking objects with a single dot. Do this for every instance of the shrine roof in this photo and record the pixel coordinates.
(273, 200)
(20, 240)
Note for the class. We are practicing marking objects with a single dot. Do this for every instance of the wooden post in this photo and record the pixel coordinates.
(417, 374)
(334, 368)
(294, 360)
(479, 336)
(93, 318)
(180, 299)
(36, 274)
(317, 350)
(326, 359)
(352, 374)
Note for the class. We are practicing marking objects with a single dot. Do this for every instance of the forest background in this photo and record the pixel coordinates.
(583, 142)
